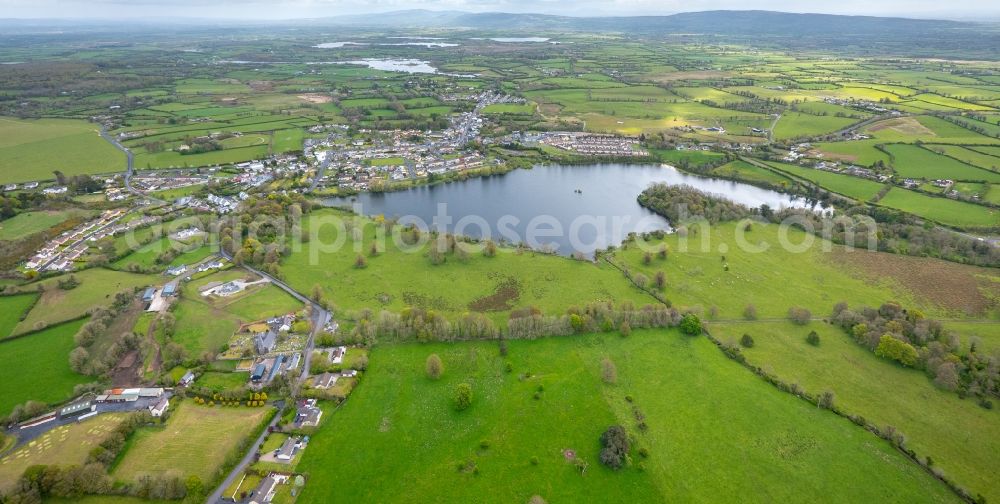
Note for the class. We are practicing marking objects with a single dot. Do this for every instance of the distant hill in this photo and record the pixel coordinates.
(707, 22)
(857, 35)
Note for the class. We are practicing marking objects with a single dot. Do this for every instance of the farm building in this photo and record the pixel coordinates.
(169, 290)
(276, 367)
(77, 409)
(160, 407)
(258, 372)
(186, 379)
(149, 294)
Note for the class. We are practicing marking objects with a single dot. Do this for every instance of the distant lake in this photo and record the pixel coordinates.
(337, 45)
(422, 44)
(519, 39)
(395, 65)
(603, 213)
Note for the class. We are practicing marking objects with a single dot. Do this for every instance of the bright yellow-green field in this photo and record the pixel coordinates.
(195, 441)
(69, 444)
(32, 149)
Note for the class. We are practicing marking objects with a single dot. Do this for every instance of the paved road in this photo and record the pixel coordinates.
(29, 433)
(245, 462)
(320, 317)
(862, 124)
(129, 167)
(321, 171)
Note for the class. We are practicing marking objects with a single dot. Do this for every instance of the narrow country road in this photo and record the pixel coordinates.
(244, 463)
(320, 317)
(129, 167)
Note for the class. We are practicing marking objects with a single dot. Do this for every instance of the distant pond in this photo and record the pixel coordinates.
(574, 208)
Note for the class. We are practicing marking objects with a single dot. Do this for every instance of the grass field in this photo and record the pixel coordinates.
(180, 445)
(746, 171)
(510, 108)
(796, 125)
(28, 223)
(11, 309)
(206, 324)
(396, 279)
(69, 444)
(37, 367)
(716, 432)
(697, 277)
(97, 288)
(969, 156)
(146, 255)
(854, 187)
(222, 381)
(943, 210)
(912, 161)
(961, 437)
(33, 149)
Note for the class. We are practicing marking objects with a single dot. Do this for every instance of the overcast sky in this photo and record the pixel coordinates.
(287, 9)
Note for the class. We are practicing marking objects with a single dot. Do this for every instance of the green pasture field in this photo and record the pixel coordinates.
(209, 86)
(97, 287)
(207, 324)
(961, 437)
(847, 185)
(28, 223)
(105, 499)
(984, 333)
(913, 161)
(69, 444)
(696, 273)
(401, 434)
(395, 279)
(693, 157)
(180, 192)
(510, 108)
(11, 309)
(179, 446)
(172, 159)
(987, 149)
(943, 210)
(288, 140)
(146, 255)
(969, 156)
(799, 125)
(950, 102)
(926, 129)
(751, 173)
(37, 367)
(31, 149)
(220, 382)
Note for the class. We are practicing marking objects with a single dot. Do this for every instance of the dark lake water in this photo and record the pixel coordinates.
(541, 206)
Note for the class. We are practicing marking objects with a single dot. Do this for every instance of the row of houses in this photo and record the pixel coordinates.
(59, 253)
(594, 145)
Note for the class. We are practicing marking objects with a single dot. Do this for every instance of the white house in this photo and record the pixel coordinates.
(160, 407)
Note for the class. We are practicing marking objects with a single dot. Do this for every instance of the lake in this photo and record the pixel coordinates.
(518, 39)
(541, 206)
